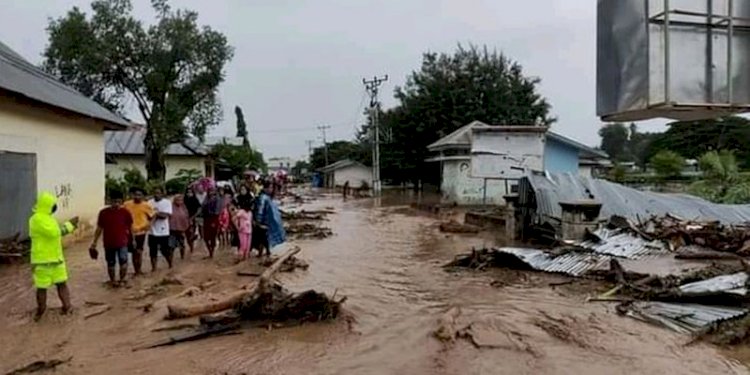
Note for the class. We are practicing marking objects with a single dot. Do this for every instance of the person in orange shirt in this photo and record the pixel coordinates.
(142, 213)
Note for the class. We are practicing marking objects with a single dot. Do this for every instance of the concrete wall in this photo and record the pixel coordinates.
(355, 174)
(586, 170)
(69, 154)
(560, 157)
(497, 154)
(173, 163)
(458, 187)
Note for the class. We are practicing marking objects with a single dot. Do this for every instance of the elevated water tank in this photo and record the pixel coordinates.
(679, 59)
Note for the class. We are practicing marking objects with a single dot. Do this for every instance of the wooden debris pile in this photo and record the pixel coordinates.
(705, 234)
(306, 214)
(12, 249)
(456, 227)
(307, 231)
(262, 303)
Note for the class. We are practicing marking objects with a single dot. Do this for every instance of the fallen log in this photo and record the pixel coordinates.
(258, 286)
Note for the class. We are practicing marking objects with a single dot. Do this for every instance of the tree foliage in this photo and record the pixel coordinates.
(694, 138)
(625, 143)
(171, 69)
(722, 182)
(239, 158)
(667, 164)
(340, 150)
(447, 92)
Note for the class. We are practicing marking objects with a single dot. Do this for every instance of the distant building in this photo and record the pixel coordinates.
(211, 141)
(276, 164)
(50, 140)
(125, 150)
(482, 163)
(342, 171)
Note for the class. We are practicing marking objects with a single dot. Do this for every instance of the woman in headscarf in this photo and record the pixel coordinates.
(211, 210)
(194, 208)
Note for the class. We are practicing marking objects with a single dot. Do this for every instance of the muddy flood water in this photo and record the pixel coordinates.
(387, 260)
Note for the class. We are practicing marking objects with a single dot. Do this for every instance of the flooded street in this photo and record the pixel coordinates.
(387, 261)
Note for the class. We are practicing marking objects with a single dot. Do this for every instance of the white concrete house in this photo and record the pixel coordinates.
(338, 173)
(125, 150)
(51, 139)
(482, 163)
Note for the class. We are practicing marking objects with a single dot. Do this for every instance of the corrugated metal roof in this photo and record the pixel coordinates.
(730, 284)
(131, 143)
(22, 78)
(682, 318)
(461, 138)
(571, 263)
(549, 190)
(623, 243)
(340, 164)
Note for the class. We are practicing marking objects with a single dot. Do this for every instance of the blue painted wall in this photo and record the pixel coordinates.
(560, 157)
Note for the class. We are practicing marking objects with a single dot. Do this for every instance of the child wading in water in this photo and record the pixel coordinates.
(243, 219)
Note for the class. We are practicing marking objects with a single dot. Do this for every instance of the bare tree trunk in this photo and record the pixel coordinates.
(155, 166)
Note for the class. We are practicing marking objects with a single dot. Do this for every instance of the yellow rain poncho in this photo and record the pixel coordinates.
(47, 259)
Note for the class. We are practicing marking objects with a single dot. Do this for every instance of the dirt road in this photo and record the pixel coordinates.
(387, 261)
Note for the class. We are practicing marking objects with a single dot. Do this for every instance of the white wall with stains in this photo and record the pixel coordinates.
(458, 187)
(69, 154)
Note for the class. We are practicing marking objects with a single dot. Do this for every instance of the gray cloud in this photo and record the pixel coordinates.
(299, 63)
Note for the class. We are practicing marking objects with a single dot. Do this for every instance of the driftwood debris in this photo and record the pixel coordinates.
(306, 215)
(307, 231)
(257, 287)
(40, 366)
(98, 311)
(201, 333)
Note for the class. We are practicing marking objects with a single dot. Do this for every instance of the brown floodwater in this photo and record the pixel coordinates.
(386, 258)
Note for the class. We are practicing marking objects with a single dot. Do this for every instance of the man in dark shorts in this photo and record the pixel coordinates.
(114, 223)
(158, 236)
(141, 212)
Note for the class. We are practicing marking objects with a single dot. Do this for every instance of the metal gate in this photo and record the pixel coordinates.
(17, 192)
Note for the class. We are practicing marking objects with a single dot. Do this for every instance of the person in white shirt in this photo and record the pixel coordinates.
(158, 236)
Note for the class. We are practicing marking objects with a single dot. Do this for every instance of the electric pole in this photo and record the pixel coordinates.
(323, 129)
(372, 89)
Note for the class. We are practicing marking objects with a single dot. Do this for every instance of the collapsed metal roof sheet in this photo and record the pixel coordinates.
(571, 263)
(622, 243)
(682, 318)
(548, 190)
(730, 284)
(22, 78)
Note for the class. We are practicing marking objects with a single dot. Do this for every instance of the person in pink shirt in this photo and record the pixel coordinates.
(243, 219)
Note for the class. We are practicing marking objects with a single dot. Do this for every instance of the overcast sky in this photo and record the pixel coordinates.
(300, 63)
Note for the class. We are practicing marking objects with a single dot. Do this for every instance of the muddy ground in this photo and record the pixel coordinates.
(387, 260)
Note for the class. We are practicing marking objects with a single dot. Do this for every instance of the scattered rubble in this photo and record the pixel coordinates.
(40, 366)
(12, 249)
(306, 215)
(307, 231)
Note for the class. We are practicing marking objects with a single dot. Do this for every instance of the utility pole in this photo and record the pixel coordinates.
(372, 89)
(323, 129)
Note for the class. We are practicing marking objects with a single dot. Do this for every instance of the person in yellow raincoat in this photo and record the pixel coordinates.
(47, 260)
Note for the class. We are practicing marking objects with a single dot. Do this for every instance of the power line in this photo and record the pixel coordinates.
(372, 88)
(309, 148)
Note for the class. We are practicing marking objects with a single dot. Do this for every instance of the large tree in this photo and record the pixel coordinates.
(615, 141)
(450, 91)
(171, 69)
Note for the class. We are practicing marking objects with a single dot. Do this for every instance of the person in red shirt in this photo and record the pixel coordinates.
(115, 223)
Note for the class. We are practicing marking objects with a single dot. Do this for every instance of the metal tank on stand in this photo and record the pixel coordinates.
(679, 59)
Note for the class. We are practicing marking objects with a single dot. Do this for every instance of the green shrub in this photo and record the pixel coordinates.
(667, 164)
